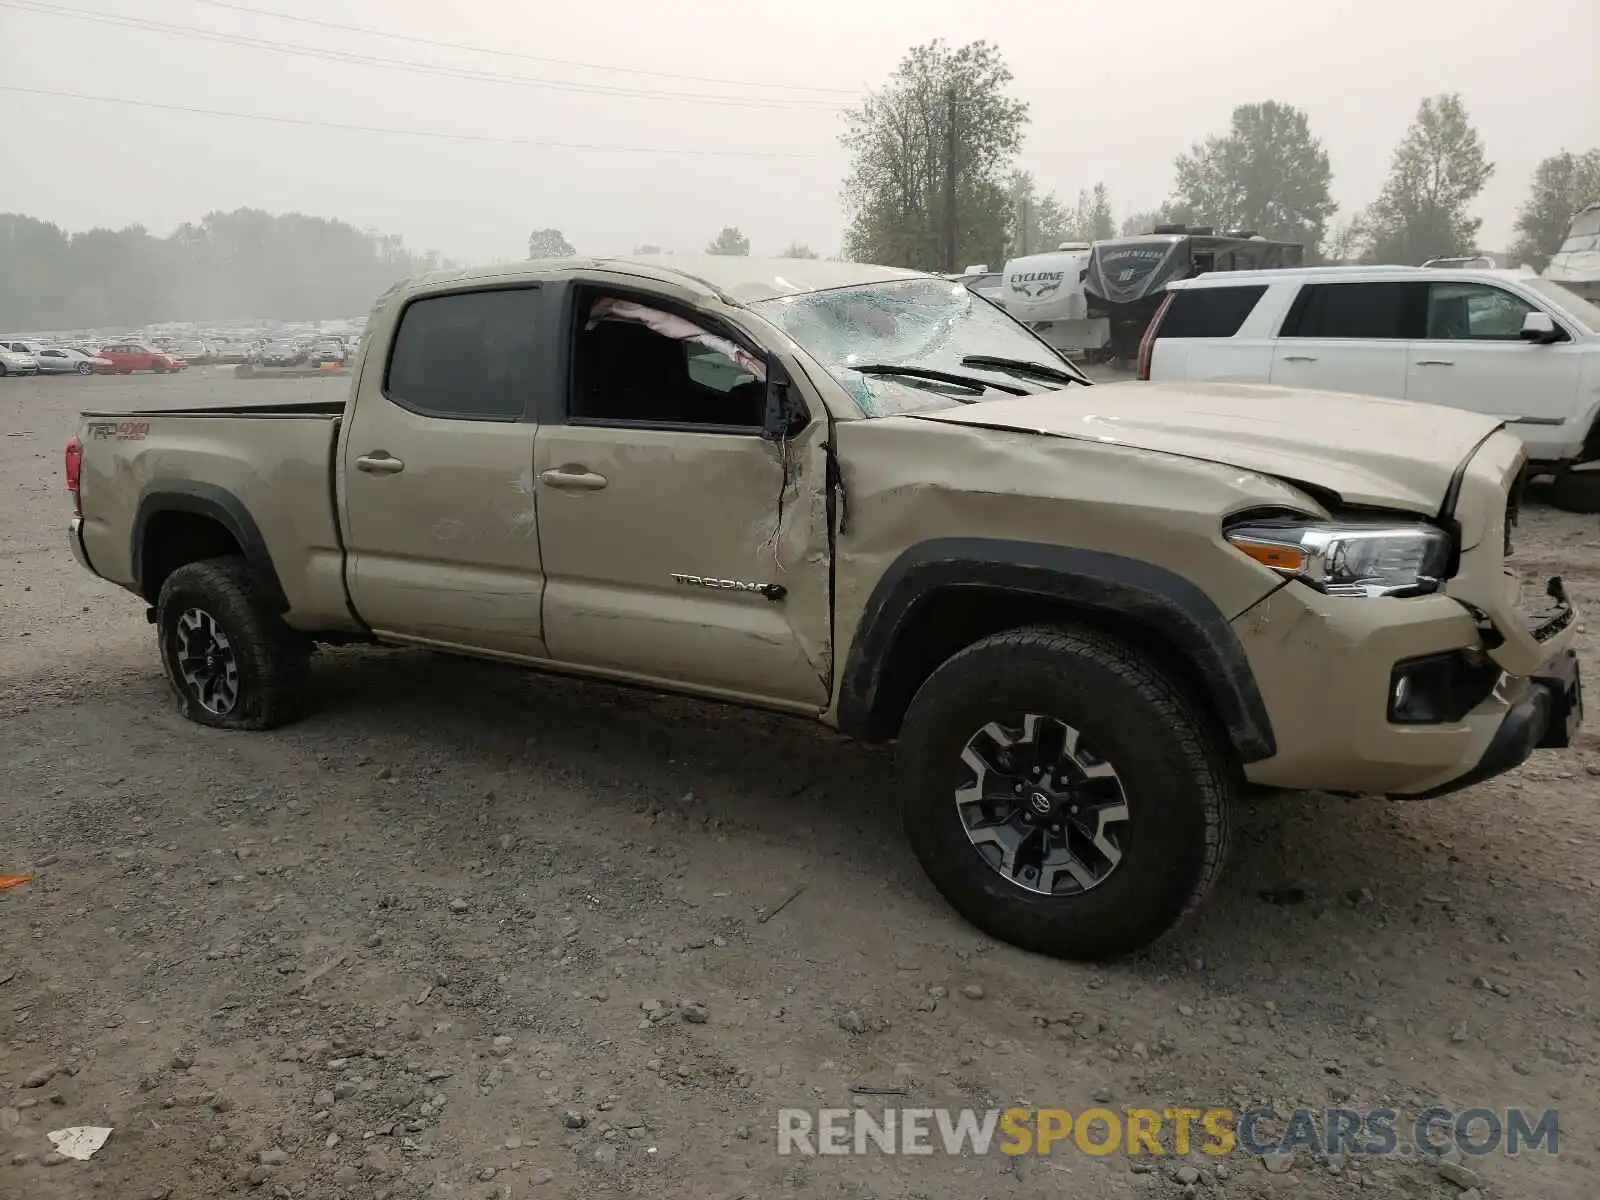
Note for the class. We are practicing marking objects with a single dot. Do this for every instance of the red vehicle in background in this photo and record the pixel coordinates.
(128, 357)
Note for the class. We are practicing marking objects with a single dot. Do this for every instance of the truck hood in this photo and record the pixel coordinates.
(1369, 452)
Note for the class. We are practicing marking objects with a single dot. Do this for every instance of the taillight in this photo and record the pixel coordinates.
(1147, 344)
(75, 473)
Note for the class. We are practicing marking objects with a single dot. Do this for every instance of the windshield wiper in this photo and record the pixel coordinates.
(975, 382)
(1020, 366)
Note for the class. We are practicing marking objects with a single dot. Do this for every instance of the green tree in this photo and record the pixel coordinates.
(900, 141)
(1343, 243)
(1090, 219)
(731, 242)
(1140, 222)
(1561, 185)
(799, 250)
(1038, 223)
(1267, 174)
(1438, 170)
(549, 243)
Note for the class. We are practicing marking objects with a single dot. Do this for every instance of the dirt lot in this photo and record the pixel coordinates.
(409, 948)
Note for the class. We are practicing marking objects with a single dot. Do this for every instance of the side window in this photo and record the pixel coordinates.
(1460, 311)
(467, 356)
(1215, 312)
(1366, 311)
(637, 364)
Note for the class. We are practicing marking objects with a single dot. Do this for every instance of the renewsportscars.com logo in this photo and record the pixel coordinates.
(1375, 1132)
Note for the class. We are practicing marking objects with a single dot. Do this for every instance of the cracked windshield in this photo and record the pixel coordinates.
(860, 333)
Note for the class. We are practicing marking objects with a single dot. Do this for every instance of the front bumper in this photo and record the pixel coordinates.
(1546, 718)
(1326, 667)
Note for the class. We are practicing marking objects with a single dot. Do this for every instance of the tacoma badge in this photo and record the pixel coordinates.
(772, 591)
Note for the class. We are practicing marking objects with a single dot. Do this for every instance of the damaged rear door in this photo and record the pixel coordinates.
(436, 473)
(679, 544)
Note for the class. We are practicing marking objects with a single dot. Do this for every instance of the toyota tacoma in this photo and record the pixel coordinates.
(1088, 616)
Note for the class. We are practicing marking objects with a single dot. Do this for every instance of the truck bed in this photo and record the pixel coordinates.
(265, 473)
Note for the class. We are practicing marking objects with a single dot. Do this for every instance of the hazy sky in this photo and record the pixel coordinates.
(1116, 91)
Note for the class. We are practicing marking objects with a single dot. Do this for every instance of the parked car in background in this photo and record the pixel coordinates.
(281, 354)
(65, 360)
(128, 357)
(13, 362)
(22, 346)
(1508, 344)
(193, 351)
(328, 350)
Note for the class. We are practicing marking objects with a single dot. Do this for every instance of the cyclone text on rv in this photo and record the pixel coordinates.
(1045, 292)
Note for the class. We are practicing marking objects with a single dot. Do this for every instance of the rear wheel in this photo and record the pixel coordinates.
(1577, 491)
(3, 371)
(1062, 794)
(231, 659)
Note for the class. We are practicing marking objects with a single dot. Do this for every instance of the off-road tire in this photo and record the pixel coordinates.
(1577, 491)
(273, 660)
(1173, 772)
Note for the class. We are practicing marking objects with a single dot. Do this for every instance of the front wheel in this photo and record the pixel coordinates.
(231, 659)
(83, 368)
(1062, 793)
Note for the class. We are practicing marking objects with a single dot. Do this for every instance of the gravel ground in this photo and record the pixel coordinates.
(472, 932)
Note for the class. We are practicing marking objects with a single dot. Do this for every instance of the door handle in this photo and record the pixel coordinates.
(1298, 358)
(578, 479)
(380, 462)
(1435, 362)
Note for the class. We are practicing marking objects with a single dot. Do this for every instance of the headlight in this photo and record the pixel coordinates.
(1349, 559)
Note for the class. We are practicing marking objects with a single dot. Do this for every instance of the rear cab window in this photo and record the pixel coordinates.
(466, 355)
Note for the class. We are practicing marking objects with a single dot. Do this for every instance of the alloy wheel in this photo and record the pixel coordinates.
(206, 661)
(1041, 807)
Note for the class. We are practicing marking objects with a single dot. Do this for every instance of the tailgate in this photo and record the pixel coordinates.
(265, 475)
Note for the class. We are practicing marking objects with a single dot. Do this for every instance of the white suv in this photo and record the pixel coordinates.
(1506, 343)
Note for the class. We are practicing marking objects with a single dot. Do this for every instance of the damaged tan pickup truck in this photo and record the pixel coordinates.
(1088, 615)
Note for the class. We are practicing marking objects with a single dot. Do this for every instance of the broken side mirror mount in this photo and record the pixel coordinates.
(783, 415)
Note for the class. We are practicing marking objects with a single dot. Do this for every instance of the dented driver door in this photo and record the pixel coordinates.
(683, 553)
